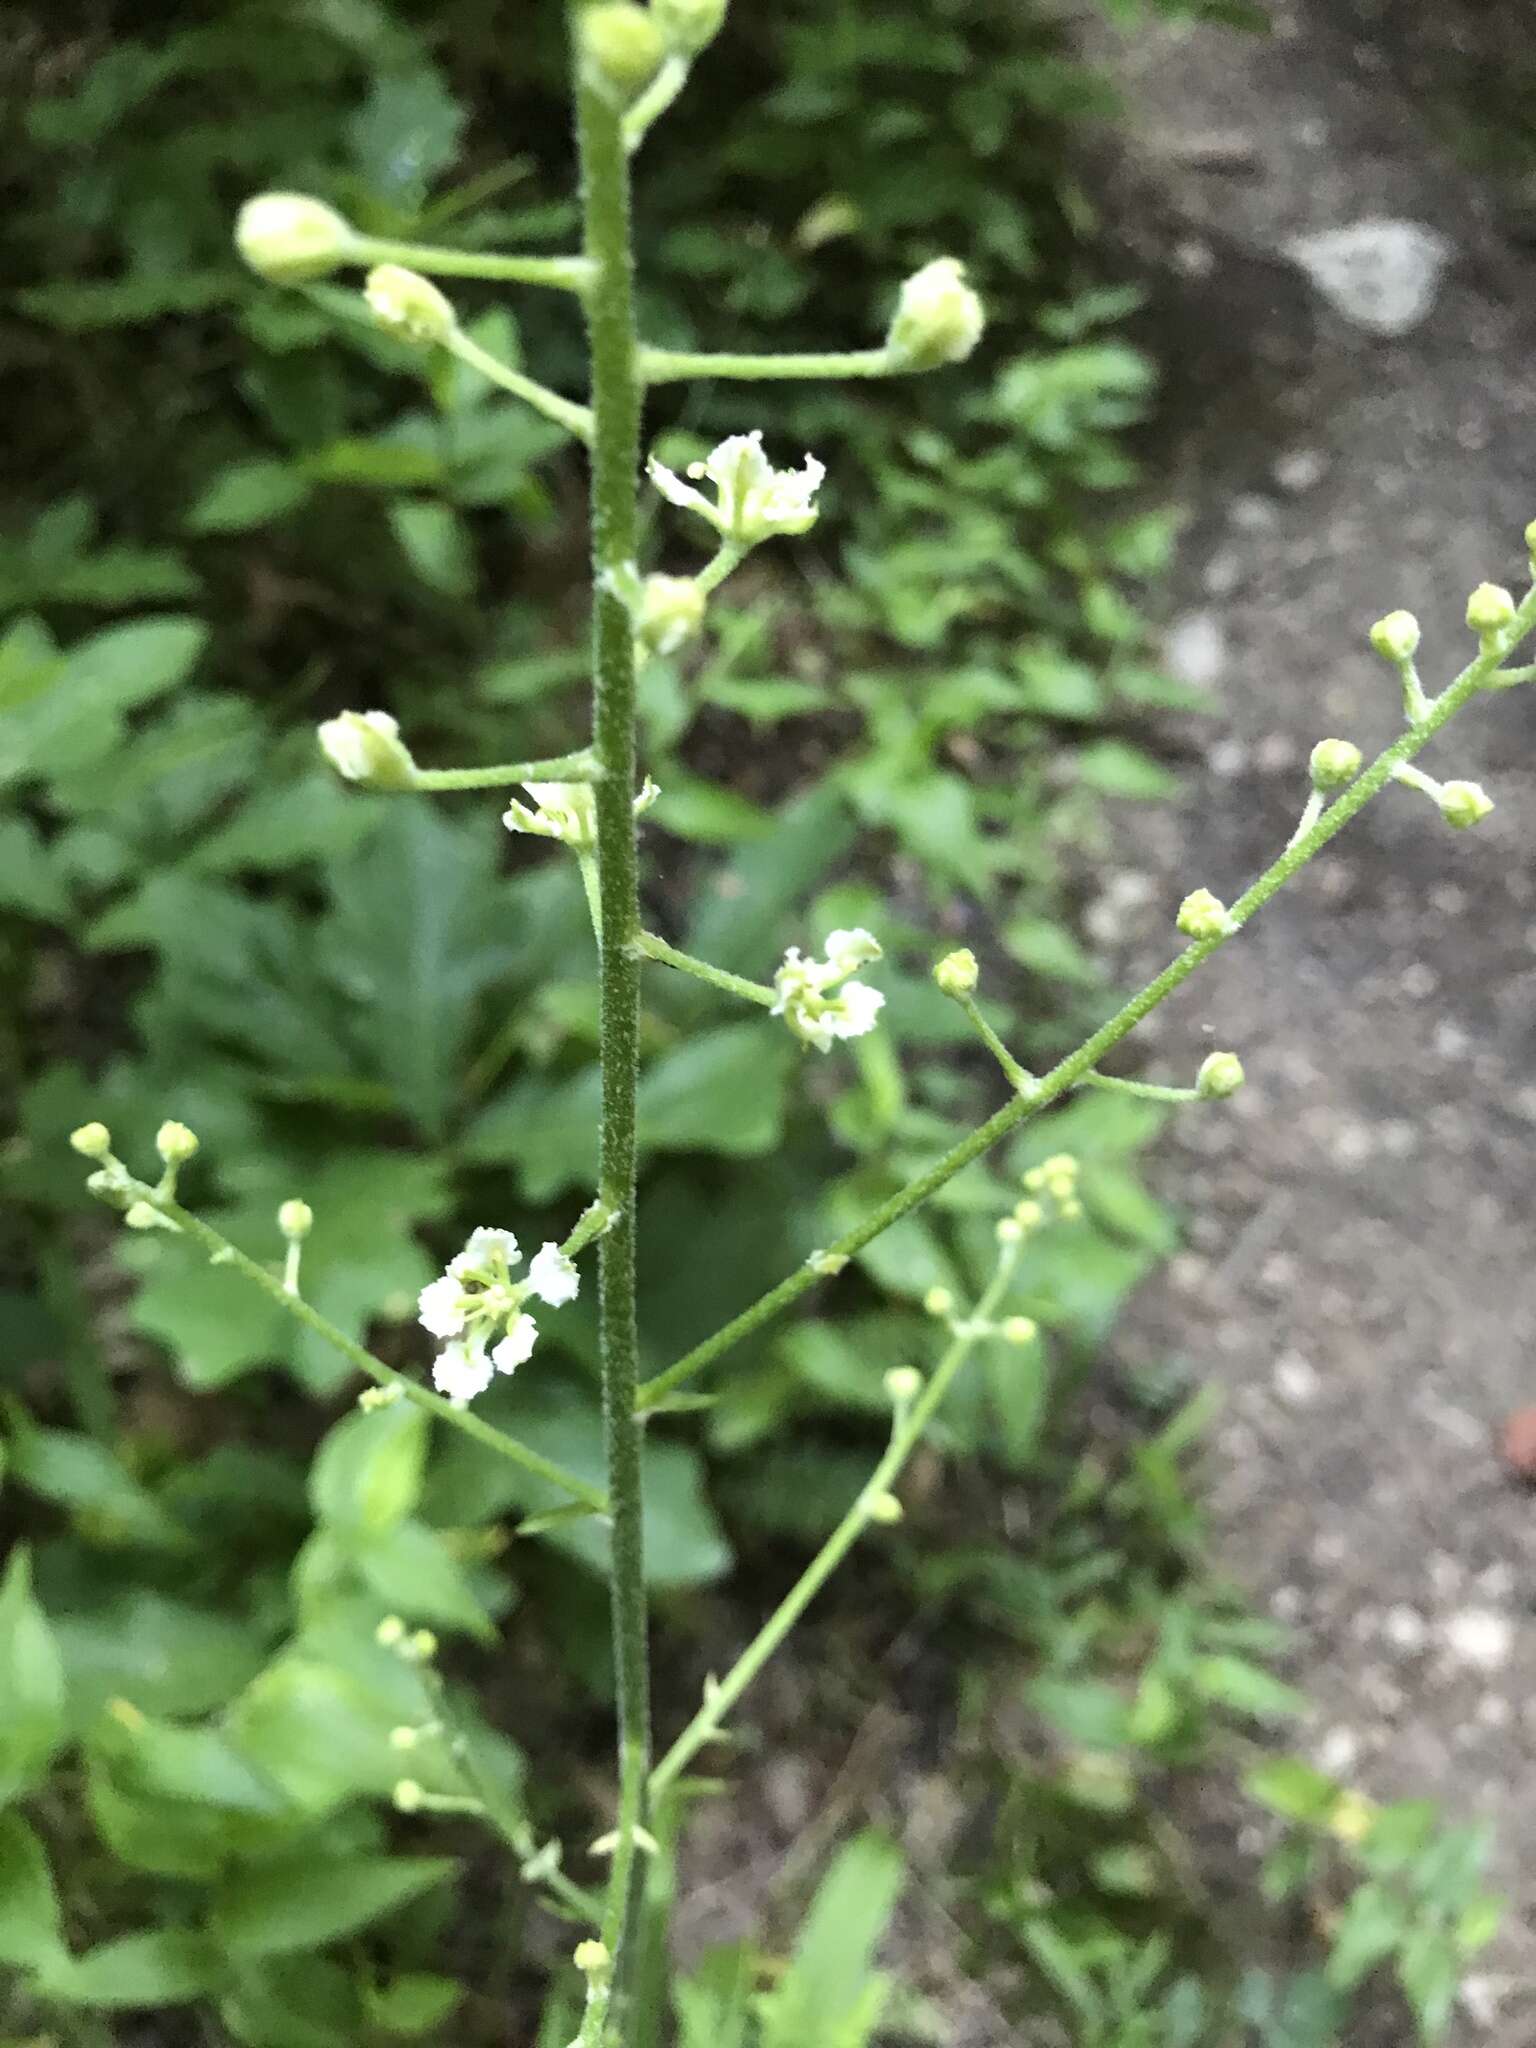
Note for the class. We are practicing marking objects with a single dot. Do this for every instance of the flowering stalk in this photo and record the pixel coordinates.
(675, 366)
(579, 767)
(1481, 673)
(652, 948)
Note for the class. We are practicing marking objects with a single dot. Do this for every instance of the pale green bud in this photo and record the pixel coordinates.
(689, 25)
(175, 1143)
(366, 747)
(145, 1216)
(92, 1141)
(957, 973)
(1464, 804)
(404, 1738)
(938, 1301)
(1220, 1075)
(1335, 764)
(419, 1648)
(903, 1383)
(288, 238)
(670, 613)
(884, 1508)
(408, 1796)
(409, 305)
(1019, 1330)
(390, 1633)
(622, 50)
(1490, 609)
(938, 318)
(592, 1959)
(295, 1219)
(1010, 1230)
(1396, 637)
(1202, 916)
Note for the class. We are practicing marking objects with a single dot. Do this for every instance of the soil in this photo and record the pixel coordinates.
(1360, 1273)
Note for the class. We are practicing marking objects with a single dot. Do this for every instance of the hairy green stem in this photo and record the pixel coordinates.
(578, 767)
(564, 273)
(1018, 1076)
(1148, 1091)
(1479, 674)
(224, 1253)
(652, 948)
(576, 419)
(616, 403)
(674, 366)
(910, 1425)
(654, 101)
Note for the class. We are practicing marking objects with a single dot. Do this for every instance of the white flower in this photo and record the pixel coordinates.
(810, 1002)
(441, 1303)
(517, 1345)
(365, 746)
(463, 1370)
(486, 1250)
(938, 318)
(753, 500)
(566, 811)
(552, 1276)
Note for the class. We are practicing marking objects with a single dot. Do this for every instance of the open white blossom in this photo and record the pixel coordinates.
(812, 1003)
(567, 811)
(753, 501)
(476, 1308)
(552, 1276)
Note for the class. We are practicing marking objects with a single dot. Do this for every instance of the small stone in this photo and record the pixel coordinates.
(1302, 470)
(1297, 1381)
(1382, 276)
(1404, 1628)
(1195, 651)
(1480, 1637)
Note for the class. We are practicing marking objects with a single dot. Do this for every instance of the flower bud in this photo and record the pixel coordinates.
(938, 1301)
(670, 613)
(175, 1143)
(1028, 1214)
(1352, 1817)
(1010, 1230)
(390, 1633)
(420, 1647)
(288, 238)
(1220, 1075)
(1335, 764)
(1464, 804)
(957, 973)
(404, 1737)
(592, 1959)
(409, 305)
(366, 747)
(938, 318)
(295, 1219)
(1203, 916)
(1490, 609)
(689, 25)
(884, 1508)
(92, 1141)
(1396, 637)
(408, 1796)
(622, 50)
(1019, 1329)
(903, 1383)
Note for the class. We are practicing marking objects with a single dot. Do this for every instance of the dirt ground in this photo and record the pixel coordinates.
(1361, 1272)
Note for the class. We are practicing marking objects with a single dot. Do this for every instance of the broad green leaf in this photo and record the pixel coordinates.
(30, 881)
(165, 1967)
(305, 1903)
(30, 1923)
(367, 1473)
(1293, 1789)
(246, 494)
(77, 721)
(412, 1570)
(31, 1682)
(436, 543)
(1368, 1930)
(1247, 1689)
(412, 2004)
(84, 1477)
(719, 1091)
(831, 1976)
(165, 1655)
(714, 2004)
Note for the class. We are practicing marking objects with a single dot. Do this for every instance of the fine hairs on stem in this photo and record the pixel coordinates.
(630, 63)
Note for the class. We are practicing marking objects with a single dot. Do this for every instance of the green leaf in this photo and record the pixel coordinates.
(77, 721)
(1089, 1712)
(1115, 769)
(1247, 1689)
(413, 1571)
(165, 1655)
(306, 1902)
(436, 543)
(30, 1923)
(246, 494)
(830, 1981)
(30, 881)
(413, 2004)
(720, 1091)
(84, 1477)
(166, 1967)
(31, 1682)
(1368, 1930)
(367, 1473)
(1429, 1970)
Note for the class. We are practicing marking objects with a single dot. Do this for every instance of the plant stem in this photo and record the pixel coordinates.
(1479, 674)
(729, 557)
(616, 403)
(673, 366)
(222, 1252)
(565, 273)
(1018, 1076)
(576, 419)
(578, 767)
(905, 1436)
(1149, 1091)
(654, 101)
(653, 948)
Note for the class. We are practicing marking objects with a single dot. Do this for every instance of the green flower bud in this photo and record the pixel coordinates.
(689, 25)
(1221, 1074)
(903, 1383)
(366, 747)
(175, 1143)
(1202, 916)
(884, 1508)
(670, 613)
(1396, 637)
(288, 238)
(1019, 1330)
(295, 1220)
(622, 50)
(409, 305)
(1490, 609)
(938, 1301)
(1335, 764)
(957, 973)
(408, 1796)
(1464, 804)
(92, 1141)
(938, 318)
(592, 1959)
(390, 1633)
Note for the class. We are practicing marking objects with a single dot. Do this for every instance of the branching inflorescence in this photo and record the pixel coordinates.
(630, 63)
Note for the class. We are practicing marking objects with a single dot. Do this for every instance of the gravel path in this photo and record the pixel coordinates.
(1361, 1273)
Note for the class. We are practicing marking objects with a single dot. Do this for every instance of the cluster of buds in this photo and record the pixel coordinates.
(114, 1184)
(1203, 916)
(816, 998)
(753, 501)
(413, 1645)
(1050, 1193)
(476, 1298)
(366, 747)
(624, 45)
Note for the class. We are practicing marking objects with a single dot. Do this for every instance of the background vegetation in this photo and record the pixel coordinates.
(225, 523)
